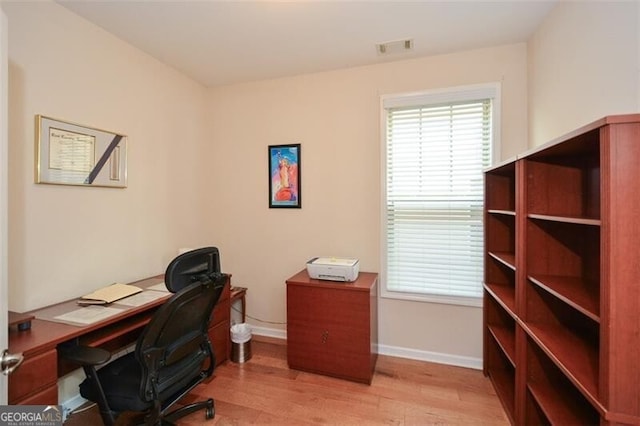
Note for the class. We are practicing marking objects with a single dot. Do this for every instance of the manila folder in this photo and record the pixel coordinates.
(109, 294)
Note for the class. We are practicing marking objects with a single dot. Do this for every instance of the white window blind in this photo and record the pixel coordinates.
(435, 157)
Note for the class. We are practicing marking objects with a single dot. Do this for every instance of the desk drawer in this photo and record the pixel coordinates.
(35, 374)
(47, 396)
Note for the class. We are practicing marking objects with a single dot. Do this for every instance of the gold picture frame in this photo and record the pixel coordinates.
(73, 154)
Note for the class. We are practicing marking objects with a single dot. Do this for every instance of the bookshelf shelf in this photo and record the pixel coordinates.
(565, 219)
(553, 395)
(504, 295)
(574, 291)
(507, 259)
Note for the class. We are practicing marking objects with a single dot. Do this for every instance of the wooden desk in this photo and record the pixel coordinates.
(35, 381)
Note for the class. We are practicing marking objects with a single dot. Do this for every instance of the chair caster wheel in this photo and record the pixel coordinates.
(210, 410)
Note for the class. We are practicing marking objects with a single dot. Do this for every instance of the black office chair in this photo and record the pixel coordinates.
(171, 353)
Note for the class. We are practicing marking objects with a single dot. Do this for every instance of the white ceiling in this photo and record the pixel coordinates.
(223, 42)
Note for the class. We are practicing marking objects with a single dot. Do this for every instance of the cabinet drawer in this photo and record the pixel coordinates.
(47, 396)
(34, 374)
(336, 319)
(331, 351)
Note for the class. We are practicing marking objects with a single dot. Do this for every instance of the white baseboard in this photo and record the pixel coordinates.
(428, 356)
(71, 405)
(420, 355)
(275, 333)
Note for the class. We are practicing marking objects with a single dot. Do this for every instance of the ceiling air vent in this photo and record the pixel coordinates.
(397, 46)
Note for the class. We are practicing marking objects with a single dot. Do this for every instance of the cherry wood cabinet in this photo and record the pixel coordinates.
(562, 278)
(332, 328)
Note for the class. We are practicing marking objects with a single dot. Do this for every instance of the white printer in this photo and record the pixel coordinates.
(333, 268)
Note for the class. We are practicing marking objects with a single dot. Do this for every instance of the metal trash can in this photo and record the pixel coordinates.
(240, 342)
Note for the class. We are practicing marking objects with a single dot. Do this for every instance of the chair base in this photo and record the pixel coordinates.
(152, 418)
(208, 406)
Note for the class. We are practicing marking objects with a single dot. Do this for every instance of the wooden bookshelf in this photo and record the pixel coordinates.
(562, 297)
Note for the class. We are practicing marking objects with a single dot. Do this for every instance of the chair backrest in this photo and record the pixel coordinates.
(190, 267)
(174, 345)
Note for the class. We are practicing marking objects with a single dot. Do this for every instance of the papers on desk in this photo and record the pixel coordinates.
(159, 287)
(143, 298)
(88, 314)
(109, 294)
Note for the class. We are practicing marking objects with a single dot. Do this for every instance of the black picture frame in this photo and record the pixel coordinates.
(285, 177)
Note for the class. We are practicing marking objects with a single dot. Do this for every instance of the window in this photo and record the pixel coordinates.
(435, 148)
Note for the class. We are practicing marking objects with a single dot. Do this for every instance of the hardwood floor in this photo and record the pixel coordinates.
(403, 392)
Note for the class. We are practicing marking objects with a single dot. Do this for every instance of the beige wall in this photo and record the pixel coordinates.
(335, 116)
(198, 171)
(583, 65)
(63, 240)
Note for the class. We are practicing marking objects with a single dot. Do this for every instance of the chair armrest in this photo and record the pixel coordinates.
(85, 355)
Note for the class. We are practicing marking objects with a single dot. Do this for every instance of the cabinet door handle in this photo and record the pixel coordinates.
(325, 336)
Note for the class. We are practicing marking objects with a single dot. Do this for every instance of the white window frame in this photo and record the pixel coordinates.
(445, 95)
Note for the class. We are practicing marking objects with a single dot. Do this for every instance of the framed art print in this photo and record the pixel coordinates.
(284, 176)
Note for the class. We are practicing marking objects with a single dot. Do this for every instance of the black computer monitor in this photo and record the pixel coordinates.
(192, 266)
